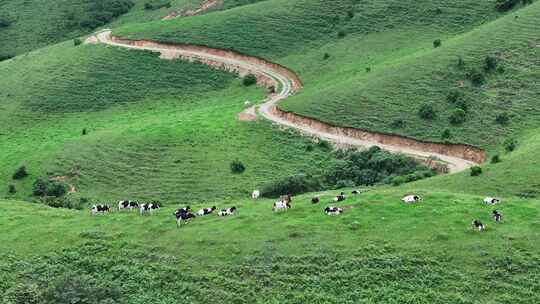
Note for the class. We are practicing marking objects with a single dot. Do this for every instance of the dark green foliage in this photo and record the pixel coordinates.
(64, 202)
(44, 187)
(84, 132)
(501, 69)
(427, 111)
(20, 173)
(458, 116)
(502, 118)
(249, 80)
(4, 22)
(446, 134)
(157, 4)
(326, 56)
(295, 184)
(476, 171)
(506, 5)
(460, 62)
(341, 34)
(454, 96)
(510, 144)
(6, 57)
(398, 123)
(12, 189)
(368, 69)
(324, 144)
(495, 159)
(408, 178)
(491, 63)
(100, 12)
(437, 43)
(72, 288)
(237, 167)
(77, 41)
(476, 77)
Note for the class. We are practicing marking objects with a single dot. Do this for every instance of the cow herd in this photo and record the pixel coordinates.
(184, 215)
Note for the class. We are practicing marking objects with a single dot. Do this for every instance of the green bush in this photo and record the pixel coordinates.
(6, 57)
(44, 187)
(458, 116)
(100, 12)
(490, 63)
(510, 144)
(506, 5)
(502, 118)
(398, 123)
(84, 132)
(476, 171)
(495, 159)
(20, 173)
(476, 77)
(4, 22)
(454, 96)
(446, 134)
(237, 167)
(462, 104)
(427, 111)
(77, 41)
(295, 184)
(460, 62)
(12, 189)
(341, 34)
(84, 289)
(249, 80)
(156, 4)
(63, 202)
(437, 43)
(326, 56)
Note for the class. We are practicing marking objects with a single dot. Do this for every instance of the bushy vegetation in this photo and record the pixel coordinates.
(20, 173)
(44, 187)
(4, 22)
(427, 111)
(237, 167)
(249, 80)
(101, 12)
(476, 171)
(6, 57)
(458, 116)
(157, 4)
(506, 5)
(437, 43)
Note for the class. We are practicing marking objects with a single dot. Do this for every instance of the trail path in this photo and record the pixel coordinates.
(286, 84)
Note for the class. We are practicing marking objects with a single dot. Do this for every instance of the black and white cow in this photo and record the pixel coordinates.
(148, 208)
(183, 217)
(340, 198)
(355, 192)
(315, 200)
(286, 198)
(206, 211)
(333, 210)
(491, 201)
(127, 204)
(185, 209)
(100, 209)
(497, 216)
(477, 225)
(409, 199)
(281, 206)
(227, 212)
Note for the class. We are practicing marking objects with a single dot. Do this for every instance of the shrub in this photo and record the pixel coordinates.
(398, 123)
(40, 187)
(6, 57)
(462, 104)
(437, 43)
(454, 96)
(475, 171)
(12, 189)
(460, 62)
(63, 202)
(458, 116)
(502, 118)
(20, 173)
(4, 22)
(249, 80)
(237, 167)
(84, 131)
(77, 41)
(156, 4)
(341, 34)
(495, 159)
(501, 69)
(398, 180)
(427, 111)
(74, 288)
(350, 14)
(23, 293)
(43, 187)
(510, 144)
(324, 144)
(476, 77)
(506, 5)
(368, 69)
(490, 63)
(446, 134)
(295, 184)
(326, 56)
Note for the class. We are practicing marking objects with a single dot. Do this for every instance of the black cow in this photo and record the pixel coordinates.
(497, 216)
(100, 209)
(183, 217)
(127, 204)
(476, 224)
(148, 208)
(315, 200)
(340, 198)
(333, 210)
(206, 211)
(185, 209)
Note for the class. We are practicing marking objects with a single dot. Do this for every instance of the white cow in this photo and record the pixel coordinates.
(281, 206)
(409, 199)
(255, 195)
(491, 201)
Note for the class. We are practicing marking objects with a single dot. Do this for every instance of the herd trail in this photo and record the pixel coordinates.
(286, 84)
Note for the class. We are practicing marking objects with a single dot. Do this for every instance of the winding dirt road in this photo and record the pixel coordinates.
(288, 83)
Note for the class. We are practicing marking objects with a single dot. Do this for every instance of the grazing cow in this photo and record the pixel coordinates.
(491, 201)
(340, 198)
(333, 210)
(286, 198)
(206, 211)
(411, 199)
(227, 212)
(497, 216)
(281, 206)
(100, 209)
(355, 192)
(127, 204)
(477, 225)
(185, 209)
(315, 200)
(183, 217)
(255, 195)
(148, 208)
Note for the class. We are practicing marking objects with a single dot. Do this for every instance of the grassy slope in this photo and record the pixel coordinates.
(397, 46)
(148, 121)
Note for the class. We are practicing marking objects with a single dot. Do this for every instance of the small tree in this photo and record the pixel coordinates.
(458, 116)
(40, 187)
(427, 111)
(249, 80)
(237, 167)
(437, 43)
(12, 189)
(341, 34)
(20, 173)
(446, 134)
(476, 171)
(495, 159)
(77, 41)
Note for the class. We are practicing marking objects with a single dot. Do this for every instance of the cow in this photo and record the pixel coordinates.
(315, 200)
(491, 201)
(183, 217)
(206, 211)
(127, 204)
(333, 210)
(340, 198)
(100, 209)
(355, 192)
(477, 225)
(497, 216)
(411, 199)
(185, 209)
(227, 212)
(286, 198)
(281, 206)
(255, 194)
(148, 208)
